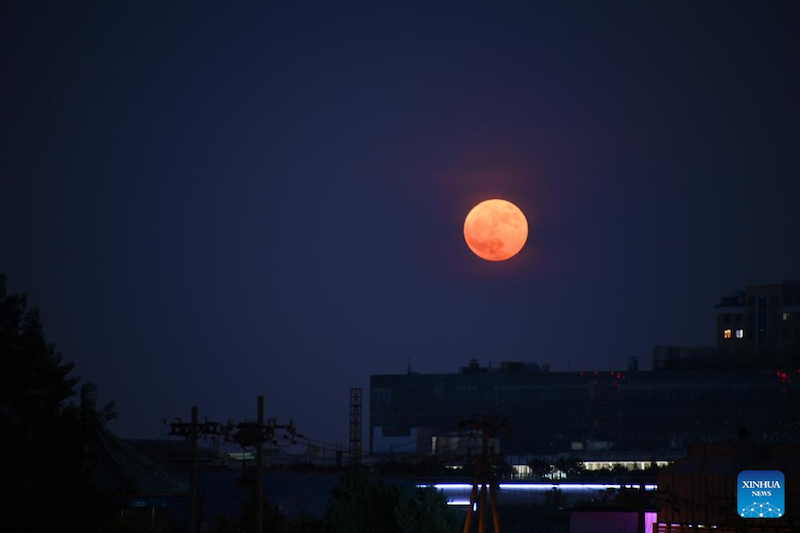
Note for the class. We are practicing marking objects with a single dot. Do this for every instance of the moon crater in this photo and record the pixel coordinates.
(495, 230)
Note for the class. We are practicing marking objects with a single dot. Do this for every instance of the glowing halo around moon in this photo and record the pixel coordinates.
(496, 230)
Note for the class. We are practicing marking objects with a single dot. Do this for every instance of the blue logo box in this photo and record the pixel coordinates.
(761, 494)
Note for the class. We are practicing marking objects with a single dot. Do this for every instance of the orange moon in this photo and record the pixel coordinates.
(495, 230)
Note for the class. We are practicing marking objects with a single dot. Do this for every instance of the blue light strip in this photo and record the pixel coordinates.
(542, 486)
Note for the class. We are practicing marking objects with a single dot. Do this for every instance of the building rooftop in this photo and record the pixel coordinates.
(117, 467)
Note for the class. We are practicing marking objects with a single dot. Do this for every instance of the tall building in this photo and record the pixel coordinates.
(587, 412)
(746, 386)
(761, 319)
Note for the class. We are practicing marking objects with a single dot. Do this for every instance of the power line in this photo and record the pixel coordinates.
(193, 431)
(246, 434)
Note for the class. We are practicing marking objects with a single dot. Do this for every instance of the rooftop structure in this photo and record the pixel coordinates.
(761, 319)
(552, 412)
(745, 385)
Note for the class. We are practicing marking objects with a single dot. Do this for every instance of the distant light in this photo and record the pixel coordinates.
(441, 486)
(565, 486)
(549, 486)
(539, 486)
(530, 487)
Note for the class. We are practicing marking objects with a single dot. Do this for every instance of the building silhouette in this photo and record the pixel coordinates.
(699, 492)
(746, 385)
(761, 319)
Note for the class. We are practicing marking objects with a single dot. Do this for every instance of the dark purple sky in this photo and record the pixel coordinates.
(211, 204)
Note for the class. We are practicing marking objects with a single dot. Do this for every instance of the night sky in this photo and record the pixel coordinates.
(213, 203)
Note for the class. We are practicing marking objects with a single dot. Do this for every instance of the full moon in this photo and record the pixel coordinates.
(495, 230)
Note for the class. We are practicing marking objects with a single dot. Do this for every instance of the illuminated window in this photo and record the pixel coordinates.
(787, 317)
(739, 333)
(726, 334)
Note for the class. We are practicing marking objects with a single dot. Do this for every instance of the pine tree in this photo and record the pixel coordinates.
(43, 469)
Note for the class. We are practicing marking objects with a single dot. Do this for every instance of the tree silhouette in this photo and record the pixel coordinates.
(361, 505)
(570, 466)
(539, 467)
(43, 475)
(426, 511)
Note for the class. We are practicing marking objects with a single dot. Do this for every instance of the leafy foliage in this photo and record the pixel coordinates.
(539, 467)
(570, 466)
(43, 470)
(426, 511)
(361, 505)
(503, 470)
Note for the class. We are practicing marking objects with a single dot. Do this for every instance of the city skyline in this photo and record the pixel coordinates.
(232, 203)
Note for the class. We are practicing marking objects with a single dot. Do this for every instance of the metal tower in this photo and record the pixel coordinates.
(355, 427)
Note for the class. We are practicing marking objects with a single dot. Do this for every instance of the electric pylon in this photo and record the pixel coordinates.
(484, 480)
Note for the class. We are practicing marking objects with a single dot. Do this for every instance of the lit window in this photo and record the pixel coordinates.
(726, 334)
(739, 333)
(787, 317)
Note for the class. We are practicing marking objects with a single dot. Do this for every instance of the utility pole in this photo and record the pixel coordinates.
(193, 474)
(258, 492)
(248, 434)
(483, 481)
(355, 428)
(193, 431)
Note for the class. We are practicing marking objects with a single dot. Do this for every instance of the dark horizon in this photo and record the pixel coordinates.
(216, 204)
